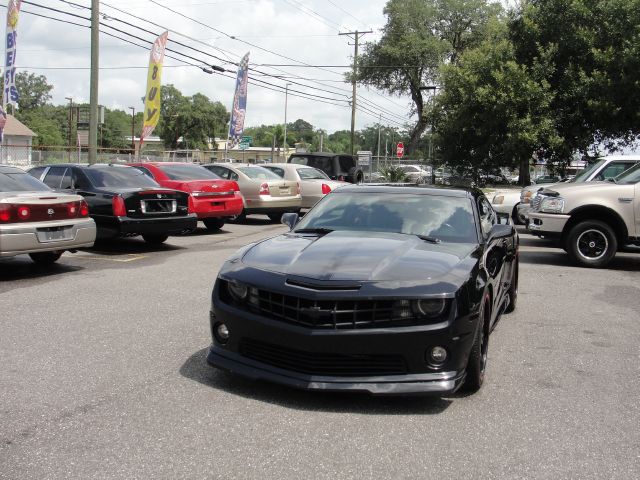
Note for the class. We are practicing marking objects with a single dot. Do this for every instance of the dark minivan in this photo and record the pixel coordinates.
(337, 166)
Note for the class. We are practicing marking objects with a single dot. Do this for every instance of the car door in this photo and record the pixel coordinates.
(53, 177)
(495, 256)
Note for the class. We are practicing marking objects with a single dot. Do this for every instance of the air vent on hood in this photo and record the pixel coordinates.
(326, 286)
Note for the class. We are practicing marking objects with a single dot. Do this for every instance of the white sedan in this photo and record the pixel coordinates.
(506, 201)
(314, 183)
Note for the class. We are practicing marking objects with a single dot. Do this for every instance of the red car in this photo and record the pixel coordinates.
(211, 198)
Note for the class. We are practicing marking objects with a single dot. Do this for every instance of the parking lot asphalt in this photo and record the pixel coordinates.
(104, 376)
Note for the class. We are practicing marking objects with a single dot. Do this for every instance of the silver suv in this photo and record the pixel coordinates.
(592, 221)
(608, 167)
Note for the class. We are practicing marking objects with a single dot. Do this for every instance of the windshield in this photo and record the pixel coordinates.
(17, 181)
(630, 176)
(584, 174)
(259, 173)
(449, 219)
(312, 174)
(187, 172)
(119, 177)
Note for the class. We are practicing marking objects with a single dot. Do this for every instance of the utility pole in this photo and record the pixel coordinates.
(379, 126)
(133, 124)
(70, 122)
(356, 37)
(93, 92)
(321, 141)
(284, 142)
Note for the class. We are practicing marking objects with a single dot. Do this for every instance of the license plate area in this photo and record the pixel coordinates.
(160, 206)
(54, 234)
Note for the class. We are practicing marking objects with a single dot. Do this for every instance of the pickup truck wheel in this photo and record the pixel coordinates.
(592, 244)
(477, 364)
(213, 223)
(155, 239)
(45, 258)
(518, 218)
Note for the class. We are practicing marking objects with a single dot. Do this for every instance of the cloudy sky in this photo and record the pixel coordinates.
(279, 34)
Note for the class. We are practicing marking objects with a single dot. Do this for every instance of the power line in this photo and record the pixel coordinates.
(344, 11)
(312, 13)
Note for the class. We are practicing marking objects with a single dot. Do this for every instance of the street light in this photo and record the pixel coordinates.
(133, 124)
(286, 96)
(70, 120)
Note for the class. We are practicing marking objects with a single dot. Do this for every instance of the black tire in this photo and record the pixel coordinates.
(513, 289)
(518, 218)
(155, 239)
(359, 178)
(275, 217)
(592, 244)
(45, 258)
(477, 364)
(213, 223)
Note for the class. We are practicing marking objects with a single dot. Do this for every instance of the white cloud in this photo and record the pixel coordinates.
(281, 26)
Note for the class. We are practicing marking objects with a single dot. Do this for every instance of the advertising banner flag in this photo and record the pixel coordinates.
(152, 94)
(10, 94)
(239, 110)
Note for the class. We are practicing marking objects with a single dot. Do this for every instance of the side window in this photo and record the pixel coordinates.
(488, 217)
(346, 164)
(67, 181)
(54, 176)
(220, 171)
(612, 170)
(233, 176)
(278, 171)
(37, 172)
(145, 171)
(79, 180)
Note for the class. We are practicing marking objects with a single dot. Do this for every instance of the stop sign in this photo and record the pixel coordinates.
(400, 150)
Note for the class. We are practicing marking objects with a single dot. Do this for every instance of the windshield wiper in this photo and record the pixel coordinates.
(429, 239)
(320, 230)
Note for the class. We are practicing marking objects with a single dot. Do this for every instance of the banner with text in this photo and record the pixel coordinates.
(152, 94)
(239, 110)
(10, 93)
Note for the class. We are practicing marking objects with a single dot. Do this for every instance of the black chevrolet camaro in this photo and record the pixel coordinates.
(382, 289)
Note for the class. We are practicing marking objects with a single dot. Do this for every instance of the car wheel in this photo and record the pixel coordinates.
(513, 289)
(45, 258)
(518, 218)
(155, 239)
(359, 178)
(477, 363)
(592, 244)
(213, 223)
(241, 217)
(275, 217)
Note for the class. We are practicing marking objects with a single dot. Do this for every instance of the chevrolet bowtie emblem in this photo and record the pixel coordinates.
(50, 212)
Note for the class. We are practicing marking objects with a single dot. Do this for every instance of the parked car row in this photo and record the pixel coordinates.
(152, 199)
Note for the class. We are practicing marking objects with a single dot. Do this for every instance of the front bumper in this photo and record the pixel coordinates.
(341, 360)
(17, 239)
(548, 224)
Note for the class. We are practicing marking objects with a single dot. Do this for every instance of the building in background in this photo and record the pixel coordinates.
(16, 144)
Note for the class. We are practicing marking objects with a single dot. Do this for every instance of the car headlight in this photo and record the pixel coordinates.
(238, 290)
(552, 205)
(498, 200)
(525, 197)
(429, 308)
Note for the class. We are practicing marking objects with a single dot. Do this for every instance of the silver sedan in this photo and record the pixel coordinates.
(314, 183)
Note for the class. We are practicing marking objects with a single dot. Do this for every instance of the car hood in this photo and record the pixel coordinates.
(350, 256)
(570, 189)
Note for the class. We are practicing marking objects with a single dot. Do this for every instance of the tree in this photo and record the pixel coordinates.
(420, 36)
(589, 52)
(493, 112)
(34, 91)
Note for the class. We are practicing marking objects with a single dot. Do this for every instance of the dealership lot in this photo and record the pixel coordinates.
(104, 376)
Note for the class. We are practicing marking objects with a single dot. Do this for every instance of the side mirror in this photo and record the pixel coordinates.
(503, 218)
(500, 231)
(290, 219)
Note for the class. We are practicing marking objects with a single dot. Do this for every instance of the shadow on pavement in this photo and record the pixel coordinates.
(196, 368)
(22, 268)
(119, 246)
(559, 258)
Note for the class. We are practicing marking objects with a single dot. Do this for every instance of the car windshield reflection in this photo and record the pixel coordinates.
(449, 219)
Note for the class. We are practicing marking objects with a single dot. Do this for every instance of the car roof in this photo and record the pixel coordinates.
(86, 165)
(10, 169)
(159, 164)
(320, 154)
(447, 191)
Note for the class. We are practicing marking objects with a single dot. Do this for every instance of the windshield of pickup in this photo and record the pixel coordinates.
(629, 177)
(583, 175)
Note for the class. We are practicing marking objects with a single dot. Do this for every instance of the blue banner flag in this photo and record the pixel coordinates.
(239, 110)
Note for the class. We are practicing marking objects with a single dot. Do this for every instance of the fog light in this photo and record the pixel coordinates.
(222, 333)
(438, 355)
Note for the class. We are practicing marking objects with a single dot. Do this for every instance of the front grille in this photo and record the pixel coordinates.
(535, 202)
(334, 314)
(323, 364)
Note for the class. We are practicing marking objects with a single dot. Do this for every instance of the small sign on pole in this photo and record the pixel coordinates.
(400, 150)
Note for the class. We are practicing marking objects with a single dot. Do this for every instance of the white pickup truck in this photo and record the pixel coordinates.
(592, 220)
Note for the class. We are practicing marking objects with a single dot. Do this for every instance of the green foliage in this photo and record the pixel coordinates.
(419, 37)
(393, 173)
(34, 90)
